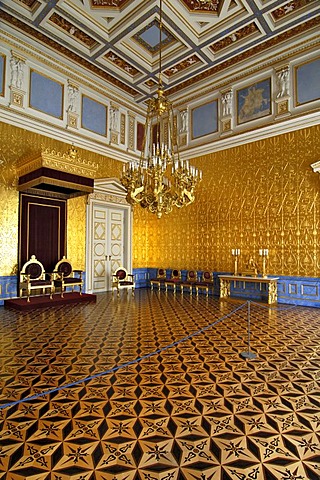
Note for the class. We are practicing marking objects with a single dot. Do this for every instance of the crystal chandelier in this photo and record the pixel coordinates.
(160, 180)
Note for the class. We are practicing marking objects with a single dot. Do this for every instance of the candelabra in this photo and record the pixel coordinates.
(264, 252)
(235, 253)
(160, 180)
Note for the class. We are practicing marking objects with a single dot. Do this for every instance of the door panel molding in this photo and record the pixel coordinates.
(108, 233)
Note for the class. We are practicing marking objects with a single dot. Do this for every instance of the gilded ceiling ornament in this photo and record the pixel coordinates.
(29, 3)
(72, 30)
(112, 57)
(234, 37)
(108, 3)
(203, 5)
(289, 7)
(187, 63)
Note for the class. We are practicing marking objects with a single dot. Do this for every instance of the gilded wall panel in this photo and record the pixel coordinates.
(76, 231)
(9, 199)
(260, 195)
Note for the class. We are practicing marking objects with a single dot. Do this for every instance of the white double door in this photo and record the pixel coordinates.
(108, 243)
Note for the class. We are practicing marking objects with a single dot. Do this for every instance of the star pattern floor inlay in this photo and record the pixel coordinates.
(154, 387)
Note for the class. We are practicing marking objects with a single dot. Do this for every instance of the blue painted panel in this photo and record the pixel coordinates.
(8, 287)
(309, 290)
(152, 36)
(141, 277)
(304, 291)
(308, 82)
(94, 116)
(205, 119)
(2, 64)
(254, 101)
(292, 288)
(46, 95)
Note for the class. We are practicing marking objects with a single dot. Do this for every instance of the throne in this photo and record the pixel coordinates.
(205, 283)
(64, 276)
(34, 277)
(122, 279)
(190, 281)
(174, 281)
(160, 279)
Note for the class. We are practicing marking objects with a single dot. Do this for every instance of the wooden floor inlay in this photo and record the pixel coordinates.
(154, 387)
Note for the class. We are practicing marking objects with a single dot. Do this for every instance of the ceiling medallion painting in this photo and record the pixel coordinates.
(149, 37)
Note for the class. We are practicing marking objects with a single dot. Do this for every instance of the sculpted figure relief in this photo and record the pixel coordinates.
(73, 93)
(114, 118)
(283, 83)
(226, 100)
(17, 72)
(184, 121)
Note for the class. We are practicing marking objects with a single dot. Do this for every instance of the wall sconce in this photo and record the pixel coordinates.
(235, 253)
(264, 253)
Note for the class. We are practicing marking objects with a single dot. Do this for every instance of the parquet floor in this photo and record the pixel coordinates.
(155, 388)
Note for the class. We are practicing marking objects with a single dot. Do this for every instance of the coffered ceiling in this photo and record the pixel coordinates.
(118, 40)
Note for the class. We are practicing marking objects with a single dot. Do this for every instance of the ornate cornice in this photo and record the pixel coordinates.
(69, 162)
(107, 197)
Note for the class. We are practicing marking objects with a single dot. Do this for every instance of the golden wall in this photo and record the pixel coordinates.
(16, 143)
(259, 195)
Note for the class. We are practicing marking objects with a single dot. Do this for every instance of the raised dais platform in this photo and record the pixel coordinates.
(43, 301)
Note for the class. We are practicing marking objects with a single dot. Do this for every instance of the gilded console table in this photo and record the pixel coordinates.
(271, 282)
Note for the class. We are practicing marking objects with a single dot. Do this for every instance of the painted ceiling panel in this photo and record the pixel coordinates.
(119, 39)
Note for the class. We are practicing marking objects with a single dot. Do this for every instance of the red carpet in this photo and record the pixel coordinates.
(44, 301)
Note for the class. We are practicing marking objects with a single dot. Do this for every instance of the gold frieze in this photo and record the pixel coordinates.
(61, 175)
(68, 162)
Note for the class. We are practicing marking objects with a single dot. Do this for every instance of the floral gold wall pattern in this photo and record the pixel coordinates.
(16, 143)
(259, 195)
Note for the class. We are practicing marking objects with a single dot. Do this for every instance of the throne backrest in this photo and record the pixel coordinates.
(207, 276)
(121, 273)
(64, 266)
(192, 275)
(176, 274)
(33, 268)
(161, 273)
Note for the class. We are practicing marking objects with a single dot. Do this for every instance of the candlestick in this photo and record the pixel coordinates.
(264, 252)
(235, 253)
